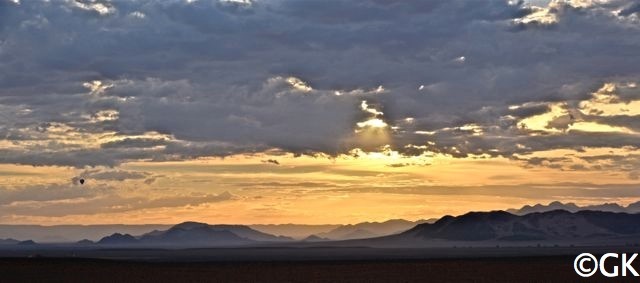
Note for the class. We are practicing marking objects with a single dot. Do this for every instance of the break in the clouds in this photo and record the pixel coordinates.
(99, 82)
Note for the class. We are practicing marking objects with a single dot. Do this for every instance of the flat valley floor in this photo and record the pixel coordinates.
(537, 269)
(299, 265)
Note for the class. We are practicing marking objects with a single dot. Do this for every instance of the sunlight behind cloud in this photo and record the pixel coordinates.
(596, 127)
(279, 111)
(373, 123)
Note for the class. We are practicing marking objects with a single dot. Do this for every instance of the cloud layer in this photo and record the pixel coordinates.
(89, 83)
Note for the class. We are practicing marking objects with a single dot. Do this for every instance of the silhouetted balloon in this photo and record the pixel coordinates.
(81, 181)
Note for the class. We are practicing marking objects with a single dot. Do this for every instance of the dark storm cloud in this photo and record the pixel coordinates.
(223, 77)
(459, 143)
(134, 142)
(633, 9)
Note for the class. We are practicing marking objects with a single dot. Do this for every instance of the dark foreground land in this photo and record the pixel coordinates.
(319, 264)
(536, 269)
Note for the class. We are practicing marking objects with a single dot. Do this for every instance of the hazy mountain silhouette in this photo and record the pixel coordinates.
(340, 232)
(371, 229)
(500, 226)
(197, 236)
(194, 234)
(118, 239)
(239, 230)
(27, 243)
(474, 228)
(296, 231)
(85, 242)
(8, 241)
(587, 227)
(572, 207)
(360, 234)
(315, 238)
(73, 233)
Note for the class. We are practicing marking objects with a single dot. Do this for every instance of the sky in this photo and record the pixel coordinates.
(313, 111)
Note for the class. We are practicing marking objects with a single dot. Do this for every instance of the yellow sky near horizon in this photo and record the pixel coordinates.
(248, 189)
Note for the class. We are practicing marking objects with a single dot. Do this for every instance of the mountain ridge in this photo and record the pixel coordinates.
(572, 207)
(371, 229)
(488, 228)
(195, 234)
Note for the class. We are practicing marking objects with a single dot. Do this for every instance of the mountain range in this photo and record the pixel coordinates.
(556, 222)
(296, 231)
(194, 234)
(371, 229)
(72, 233)
(572, 207)
(556, 227)
(75, 233)
(496, 227)
(8, 241)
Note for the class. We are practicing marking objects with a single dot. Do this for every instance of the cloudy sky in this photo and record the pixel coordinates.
(313, 111)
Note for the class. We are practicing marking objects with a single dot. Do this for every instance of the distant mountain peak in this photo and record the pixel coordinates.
(190, 225)
(8, 241)
(27, 243)
(118, 239)
(572, 207)
(195, 234)
(85, 242)
(370, 229)
(314, 238)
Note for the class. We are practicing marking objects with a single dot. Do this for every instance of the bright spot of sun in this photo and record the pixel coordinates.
(373, 132)
(372, 123)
